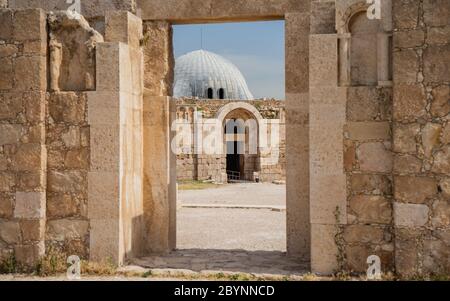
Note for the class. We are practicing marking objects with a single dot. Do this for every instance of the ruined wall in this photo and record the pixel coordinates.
(421, 136)
(23, 157)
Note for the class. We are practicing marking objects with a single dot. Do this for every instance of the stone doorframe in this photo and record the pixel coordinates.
(315, 184)
(159, 13)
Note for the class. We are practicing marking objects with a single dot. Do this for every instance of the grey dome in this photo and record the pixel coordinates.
(200, 71)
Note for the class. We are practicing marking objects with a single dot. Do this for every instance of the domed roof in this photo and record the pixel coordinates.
(205, 74)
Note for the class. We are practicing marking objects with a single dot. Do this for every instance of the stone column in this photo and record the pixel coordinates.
(159, 160)
(297, 135)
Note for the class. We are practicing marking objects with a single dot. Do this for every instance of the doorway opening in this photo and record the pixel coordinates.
(231, 82)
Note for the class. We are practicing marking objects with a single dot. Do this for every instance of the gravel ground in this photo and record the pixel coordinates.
(228, 229)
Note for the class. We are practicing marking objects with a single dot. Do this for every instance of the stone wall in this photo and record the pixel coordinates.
(23, 157)
(213, 167)
(421, 114)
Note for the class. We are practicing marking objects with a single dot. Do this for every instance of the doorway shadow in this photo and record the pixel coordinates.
(253, 262)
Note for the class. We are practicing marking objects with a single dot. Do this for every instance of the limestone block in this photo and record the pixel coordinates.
(325, 201)
(62, 205)
(323, 17)
(6, 19)
(122, 26)
(407, 164)
(442, 161)
(8, 50)
(104, 108)
(374, 184)
(11, 105)
(435, 68)
(438, 35)
(30, 24)
(406, 251)
(68, 107)
(30, 73)
(445, 187)
(7, 181)
(436, 12)
(35, 105)
(297, 52)
(405, 136)
(323, 249)
(108, 66)
(29, 254)
(105, 147)
(66, 229)
(440, 106)
(431, 133)
(369, 103)
(371, 209)
(105, 240)
(375, 157)
(29, 157)
(30, 205)
(409, 39)
(10, 133)
(66, 181)
(415, 189)
(33, 230)
(363, 234)
(323, 60)
(10, 232)
(368, 130)
(410, 215)
(405, 13)
(6, 69)
(406, 66)
(6, 206)
(440, 217)
(158, 58)
(103, 195)
(77, 159)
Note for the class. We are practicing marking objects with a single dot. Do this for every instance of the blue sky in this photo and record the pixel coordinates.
(256, 48)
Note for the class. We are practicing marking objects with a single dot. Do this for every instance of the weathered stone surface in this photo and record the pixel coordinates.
(6, 19)
(356, 257)
(77, 159)
(67, 107)
(409, 39)
(407, 251)
(7, 50)
(435, 68)
(11, 104)
(363, 234)
(430, 137)
(10, 133)
(28, 157)
(7, 181)
(409, 102)
(66, 181)
(29, 254)
(440, 105)
(6, 206)
(32, 230)
(29, 24)
(445, 139)
(10, 232)
(415, 189)
(438, 35)
(436, 12)
(7, 78)
(410, 215)
(406, 66)
(323, 17)
(442, 161)
(375, 157)
(30, 73)
(440, 216)
(368, 103)
(369, 130)
(445, 187)
(375, 184)
(405, 13)
(66, 229)
(371, 209)
(407, 164)
(405, 138)
(29, 205)
(61, 205)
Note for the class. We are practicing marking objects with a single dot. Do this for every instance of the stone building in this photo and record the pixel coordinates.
(86, 108)
(210, 88)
